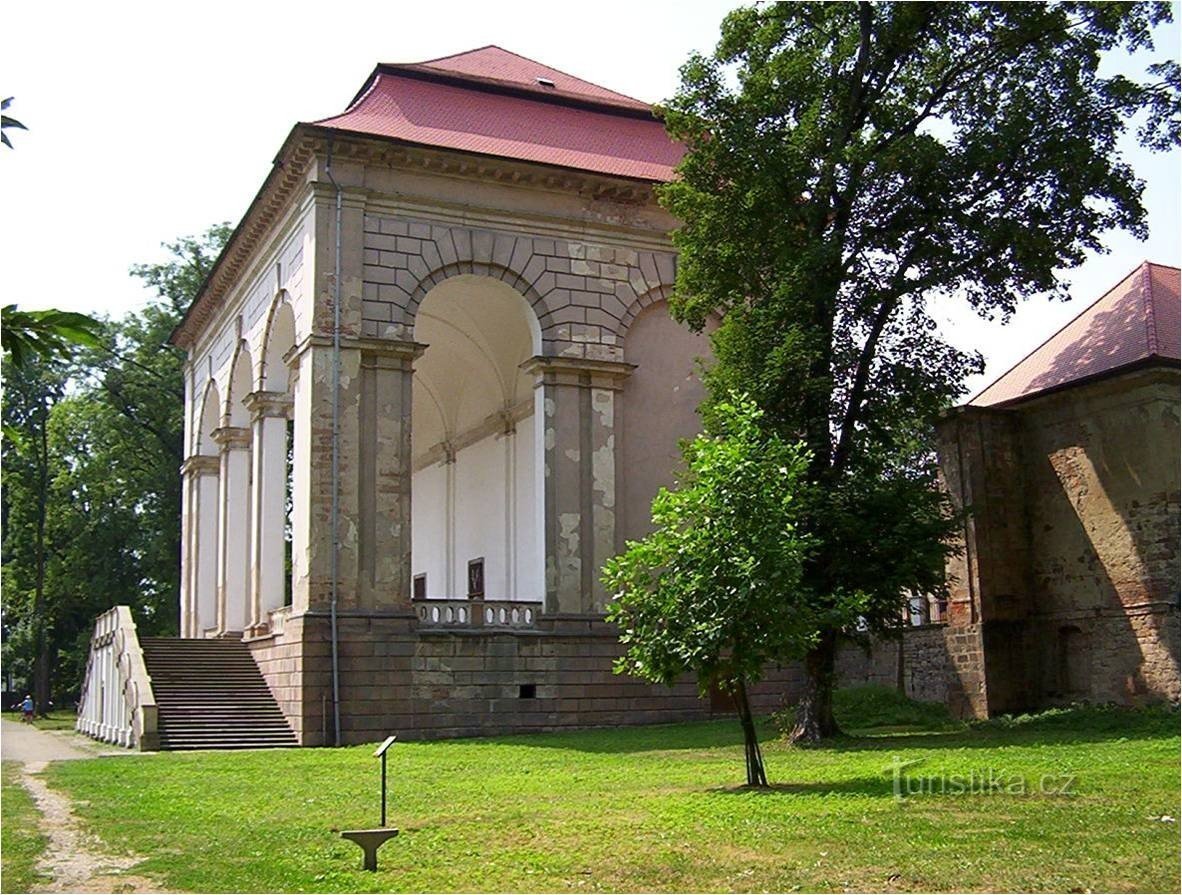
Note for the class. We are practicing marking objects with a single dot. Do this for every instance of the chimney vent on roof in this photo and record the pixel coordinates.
(545, 82)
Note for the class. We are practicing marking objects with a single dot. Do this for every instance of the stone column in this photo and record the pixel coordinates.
(199, 576)
(384, 473)
(233, 527)
(269, 412)
(373, 550)
(576, 400)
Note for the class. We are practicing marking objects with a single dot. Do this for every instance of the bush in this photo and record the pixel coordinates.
(871, 706)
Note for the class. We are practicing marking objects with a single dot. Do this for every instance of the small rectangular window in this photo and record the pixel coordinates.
(527, 691)
(476, 578)
(420, 587)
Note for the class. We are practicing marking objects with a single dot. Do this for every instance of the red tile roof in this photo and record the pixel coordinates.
(1135, 322)
(495, 65)
(488, 101)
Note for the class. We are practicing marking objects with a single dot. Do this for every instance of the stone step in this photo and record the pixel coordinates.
(210, 694)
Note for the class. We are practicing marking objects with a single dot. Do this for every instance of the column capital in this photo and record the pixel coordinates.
(579, 371)
(200, 464)
(263, 404)
(231, 438)
(401, 351)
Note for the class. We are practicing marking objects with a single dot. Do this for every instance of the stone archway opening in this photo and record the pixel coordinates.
(476, 446)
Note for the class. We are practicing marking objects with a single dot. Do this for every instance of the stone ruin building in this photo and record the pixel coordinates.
(432, 384)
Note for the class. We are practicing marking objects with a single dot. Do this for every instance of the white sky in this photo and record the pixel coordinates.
(152, 120)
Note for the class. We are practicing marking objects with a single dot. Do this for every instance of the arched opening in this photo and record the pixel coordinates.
(203, 521)
(234, 500)
(273, 487)
(1075, 672)
(476, 505)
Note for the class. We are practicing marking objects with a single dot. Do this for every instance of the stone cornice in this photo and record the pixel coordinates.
(299, 151)
(578, 371)
(394, 154)
(286, 176)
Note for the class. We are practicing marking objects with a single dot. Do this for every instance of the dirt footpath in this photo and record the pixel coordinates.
(74, 860)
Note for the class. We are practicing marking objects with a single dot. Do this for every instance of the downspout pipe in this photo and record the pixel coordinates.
(335, 513)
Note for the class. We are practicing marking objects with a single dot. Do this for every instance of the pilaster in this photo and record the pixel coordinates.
(578, 424)
(233, 526)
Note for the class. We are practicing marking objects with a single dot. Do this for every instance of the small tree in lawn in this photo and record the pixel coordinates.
(712, 590)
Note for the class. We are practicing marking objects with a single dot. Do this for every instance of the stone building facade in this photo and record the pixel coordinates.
(447, 307)
(432, 384)
(1067, 586)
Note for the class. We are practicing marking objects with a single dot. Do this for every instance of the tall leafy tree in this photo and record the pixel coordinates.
(851, 165)
(705, 592)
(108, 433)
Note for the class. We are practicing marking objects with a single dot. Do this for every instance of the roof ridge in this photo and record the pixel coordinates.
(454, 55)
(432, 63)
(1150, 307)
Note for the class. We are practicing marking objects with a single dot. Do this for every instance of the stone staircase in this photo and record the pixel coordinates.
(210, 694)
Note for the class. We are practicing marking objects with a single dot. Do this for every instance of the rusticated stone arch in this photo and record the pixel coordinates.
(536, 302)
(657, 294)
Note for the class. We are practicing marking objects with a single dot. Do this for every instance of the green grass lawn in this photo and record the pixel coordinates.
(57, 719)
(658, 809)
(20, 843)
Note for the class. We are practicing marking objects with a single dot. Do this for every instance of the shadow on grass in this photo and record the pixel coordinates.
(1085, 724)
(855, 786)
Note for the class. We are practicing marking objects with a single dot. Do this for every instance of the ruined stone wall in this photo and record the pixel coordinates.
(429, 684)
(941, 663)
(1102, 466)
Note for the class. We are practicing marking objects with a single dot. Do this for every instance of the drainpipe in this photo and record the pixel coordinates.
(336, 453)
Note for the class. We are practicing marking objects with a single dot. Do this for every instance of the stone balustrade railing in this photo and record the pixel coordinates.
(503, 614)
(118, 705)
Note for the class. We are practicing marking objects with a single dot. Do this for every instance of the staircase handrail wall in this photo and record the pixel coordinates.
(118, 705)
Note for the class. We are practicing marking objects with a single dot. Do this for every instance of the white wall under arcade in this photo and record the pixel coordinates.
(482, 505)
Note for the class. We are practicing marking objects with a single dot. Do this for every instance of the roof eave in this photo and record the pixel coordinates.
(1153, 360)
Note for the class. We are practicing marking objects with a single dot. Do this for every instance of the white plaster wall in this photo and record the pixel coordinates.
(531, 582)
(489, 511)
(429, 527)
(480, 515)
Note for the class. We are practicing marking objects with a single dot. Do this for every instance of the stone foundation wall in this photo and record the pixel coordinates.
(431, 684)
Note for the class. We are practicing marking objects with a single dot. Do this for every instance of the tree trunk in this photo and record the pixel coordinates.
(756, 776)
(814, 712)
(41, 636)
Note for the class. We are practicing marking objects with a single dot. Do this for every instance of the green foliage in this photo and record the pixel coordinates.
(107, 428)
(852, 166)
(713, 590)
(46, 334)
(649, 809)
(7, 122)
(873, 706)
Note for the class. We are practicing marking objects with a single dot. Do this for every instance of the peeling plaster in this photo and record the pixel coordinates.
(548, 406)
(603, 472)
(603, 403)
(572, 454)
(568, 531)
